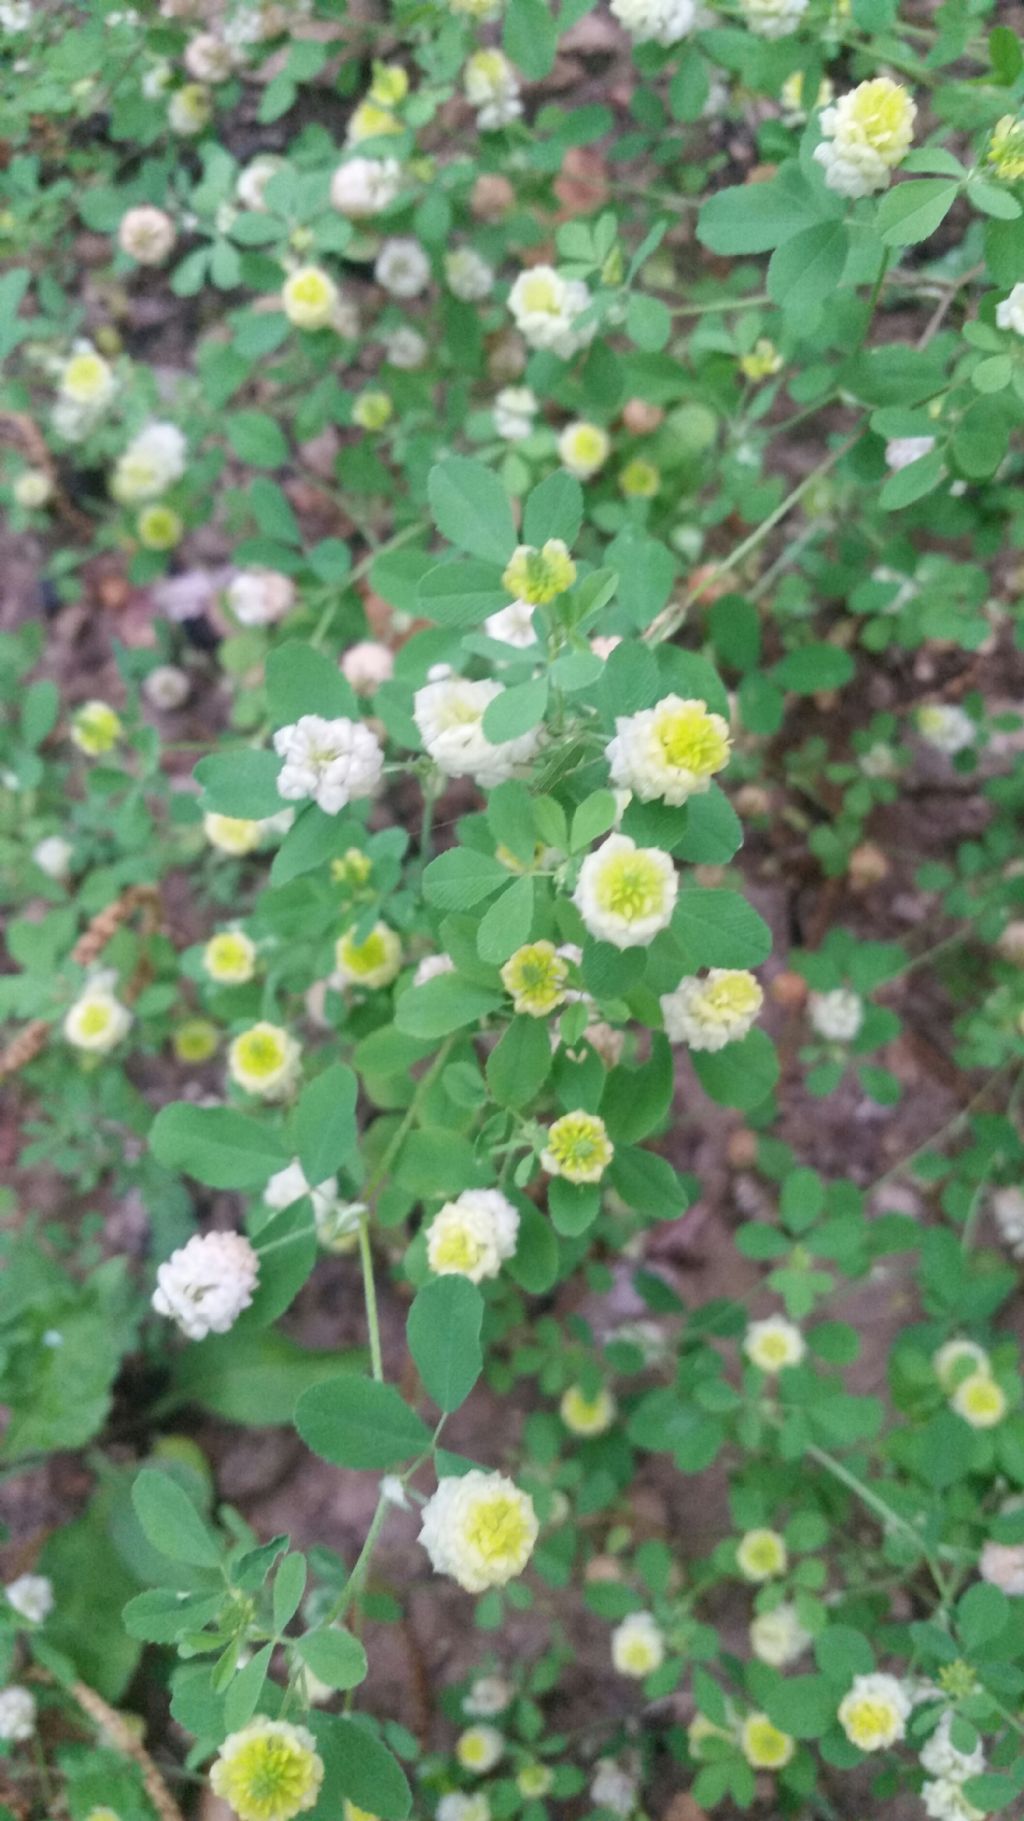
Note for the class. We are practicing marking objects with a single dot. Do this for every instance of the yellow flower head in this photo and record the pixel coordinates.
(880, 114)
(87, 379)
(774, 1343)
(578, 1148)
(638, 1646)
(390, 84)
(372, 410)
(958, 1359)
(196, 1040)
(159, 528)
(538, 576)
(269, 1771)
(231, 834)
(373, 962)
(230, 958)
(309, 298)
(352, 868)
(1006, 149)
(689, 737)
(535, 976)
(875, 1712)
(763, 360)
(980, 1401)
(584, 448)
(534, 1780)
(480, 1529)
(264, 1060)
(96, 728)
(640, 479)
(587, 1415)
(479, 1748)
(371, 121)
(763, 1745)
(626, 894)
(103, 1814)
(761, 1554)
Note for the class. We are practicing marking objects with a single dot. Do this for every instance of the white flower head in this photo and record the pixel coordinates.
(265, 1060)
(208, 58)
(865, 135)
(658, 21)
(614, 1787)
(152, 462)
(1008, 1213)
(52, 855)
(459, 1805)
(774, 1343)
(402, 268)
(626, 894)
(546, 308)
(479, 1529)
(146, 234)
(514, 410)
(468, 275)
(473, 1235)
(512, 625)
(204, 1286)
(367, 665)
(190, 110)
(31, 1597)
(944, 1800)
(1010, 311)
(583, 449)
(669, 752)
(875, 1712)
(941, 1758)
(32, 488)
(947, 727)
(479, 1749)
(449, 714)
(638, 1645)
(260, 597)
(166, 687)
(310, 298)
(334, 762)
(86, 381)
(836, 1015)
(773, 18)
(491, 86)
(431, 967)
(17, 1713)
(778, 1637)
(709, 1013)
(487, 1696)
(97, 1022)
(362, 187)
(1002, 1566)
(405, 348)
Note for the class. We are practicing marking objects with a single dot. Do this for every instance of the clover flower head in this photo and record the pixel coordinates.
(778, 1637)
(260, 597)
(583, 449)
(97, 1022)
(402, 267)
(309, 298)
(836, 1015)
(204, 1286)
(264, 1060)
(362, 187)
(546, 308)
(229, 958)
(490, 85)
(866, 134)
(514, 410)
(663, 22)
(669, 752)
(1006, 149)
(774, 1343)
(761, 1555)
(334, 762)
(373, 962)
(449, 713)
(536, 977)
(96, 728)
(512, 625)
(232, 834)
(714, 1011)
(468, 275)
(626, 894)
(578, 1148)
(31, 1597)
(269, 1771)
(979, 1400)
(773, 18)
(152, 462)
(473, 1235)
(17, 1714)
(763, 1745)
(480, 1529)
(487, 1696)
(146, 234)
(638, 1645)
(586, 1416)
(956, 1359)
(539, 576)
(479, 1748)
(874, 1713)
(947, 727)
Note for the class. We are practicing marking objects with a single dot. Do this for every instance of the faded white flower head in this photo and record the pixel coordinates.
(449, 714)
(468, 275)
(865, 135)
(708, 1013)
(152, 462)
(1010, 311)
(514, 410)
(547, 307)
(512, 625)
(402, 268)
(480, 1529)
(777, 1637)
(487, 1696)
(473, 1235)
(901, 451)
(1002, 1566)
(658, 21)
(260, 597)
(52, 855)
(334, 762)
(146, 234)
(368, 665)
(166, 687)
(947, 727)
(204, 1286)
(17, 1713)
(31, 1597)
(638, 1645)
(773, 18)
(836, 1015)
(362, 187)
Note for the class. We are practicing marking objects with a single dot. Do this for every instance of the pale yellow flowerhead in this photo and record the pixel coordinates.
(264, 1060)
(231, 834)
(774, 1343)
(874, 1713)
(390, 84)
(578, 1148)
(583, 448)
(535, 976)
(881, 114)
(479, 1748)
(159, 528)
(195, 1041)
(269, 1771)
(763, 1745)
(86, 379)
(640, 479)
(352, 868)
(96, 728)
(761, 1554)
(371, 121)
(980, 1401)
(230, 958)
(762, 361)
(372, 410)
(584, 1415)
(309, 298)
(374, 962)
(638, 1646)
(480, 1529)
(538, 576)
(1006, 149)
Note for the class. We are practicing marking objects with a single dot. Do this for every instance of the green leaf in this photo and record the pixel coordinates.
(506, 923)
(323, 1125)
(719, 929)
(358, 1766)
(515, 711)
(804, 272)
(594, 817)
(471, 508)
(535, 1264)
(303, 681)
(648, 1183)
(520, 1063)
(356, 1422)
(648, 322)
(216, 1145)
(812, 668)
(289, 1587)
(461, 594)
(914, 209)
(742, 1075)
(257, 439)
(554, 509)
(241, 783)
(334, 1656)
(171, 1522)
(252, 1377)
(443, 1330)
(244, 1691)
(530, 37)
(755, 217)
(443, 1005)
(40, 707)
(463, 877)
(913, 482)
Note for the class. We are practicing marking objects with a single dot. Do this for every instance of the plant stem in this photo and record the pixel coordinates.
(370, 1297)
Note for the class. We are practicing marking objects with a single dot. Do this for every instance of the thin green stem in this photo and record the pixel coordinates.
(370, 1297)
(889, 1519)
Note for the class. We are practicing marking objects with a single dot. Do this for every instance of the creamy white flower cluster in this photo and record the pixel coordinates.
(657, 21)
(449, 713)
(866, 134)
(473, 1235)
(204, 1286)
(480, 1529)
(152, 462)
(547, 308)
(334, 762)
(491, 86)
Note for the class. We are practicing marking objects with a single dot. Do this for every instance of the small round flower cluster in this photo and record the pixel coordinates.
(773, 18)
(334, 762)
(473, 1235)
(491, 86)
(638, 1645)
(269, 1771)
(372, 962)
(264, 1060)
(449, 713)
(663, 22)
(867, 133)
(875, 1711)
(97, 1022)
(547, 310)
(710, 1013)
(587, 1416)
(964, 1371)
(204, 1286)
(947, 1769)
(480, 1529)
(836, 1015)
